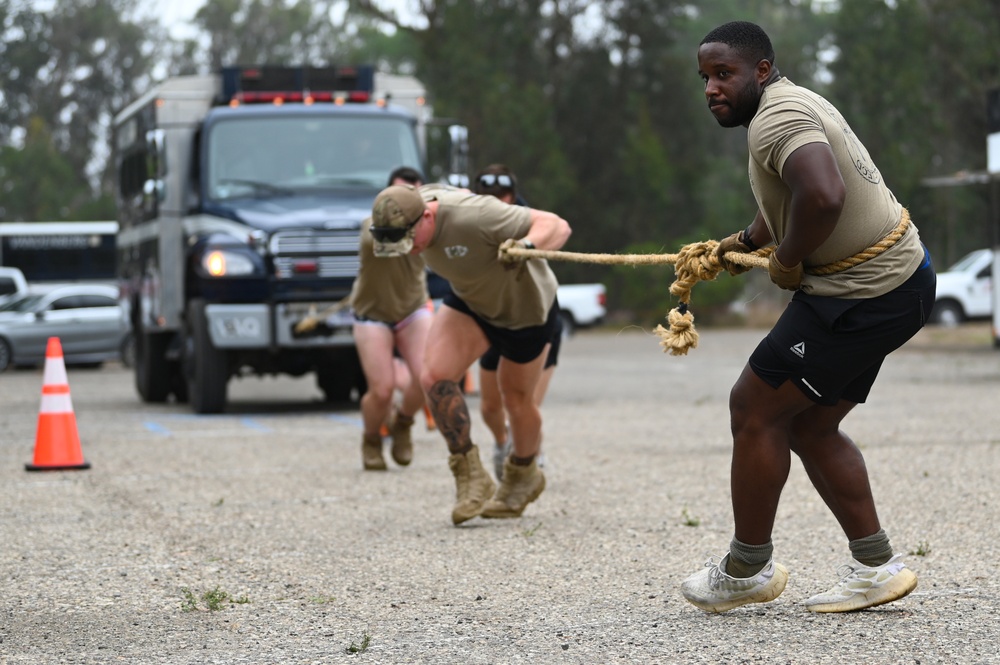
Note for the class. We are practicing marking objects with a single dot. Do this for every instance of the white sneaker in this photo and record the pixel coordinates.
(500, 453)
(860, 586)
(713, 590)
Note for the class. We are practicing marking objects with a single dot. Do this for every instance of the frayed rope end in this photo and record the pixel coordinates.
(681, 336)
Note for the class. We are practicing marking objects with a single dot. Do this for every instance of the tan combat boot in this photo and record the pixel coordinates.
(473, 486)
(520, 486)
(402, 442)
(371, 453)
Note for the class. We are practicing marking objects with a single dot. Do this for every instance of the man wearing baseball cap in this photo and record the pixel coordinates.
(499, 300)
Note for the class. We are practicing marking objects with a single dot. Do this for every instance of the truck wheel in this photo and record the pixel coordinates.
(127, 350)
(339, 373)
(179, 383)
(152, 370)
(947, 313)
(207, 367)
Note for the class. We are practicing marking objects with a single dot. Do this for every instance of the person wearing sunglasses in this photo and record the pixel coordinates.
(499, 181)
(497, 300)
(391, 319)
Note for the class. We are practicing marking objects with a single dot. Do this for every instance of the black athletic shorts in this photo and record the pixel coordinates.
(833, 348)
(490, 360)
(522, 345)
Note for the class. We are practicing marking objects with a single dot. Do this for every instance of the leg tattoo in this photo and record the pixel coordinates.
(452, 415)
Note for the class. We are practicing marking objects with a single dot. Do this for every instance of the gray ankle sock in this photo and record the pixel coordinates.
(873, 550)
(747, 560)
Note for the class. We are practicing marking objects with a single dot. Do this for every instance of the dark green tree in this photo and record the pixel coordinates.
(38, 183)
(73, 67)
(260, 31)
(912, 78)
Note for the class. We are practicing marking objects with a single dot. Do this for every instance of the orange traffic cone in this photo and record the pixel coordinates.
(57, 444)
(469, 386)
(431, 425)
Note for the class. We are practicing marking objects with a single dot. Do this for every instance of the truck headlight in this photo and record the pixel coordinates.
(227, 263)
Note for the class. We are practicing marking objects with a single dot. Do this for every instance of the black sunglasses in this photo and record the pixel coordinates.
(490, 179)
(392, 233)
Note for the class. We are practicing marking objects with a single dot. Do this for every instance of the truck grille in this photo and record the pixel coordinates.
(334, 252)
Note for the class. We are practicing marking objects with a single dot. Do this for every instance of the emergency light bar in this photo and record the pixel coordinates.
(277, 85)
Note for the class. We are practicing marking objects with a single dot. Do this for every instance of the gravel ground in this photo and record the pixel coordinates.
(254, 536)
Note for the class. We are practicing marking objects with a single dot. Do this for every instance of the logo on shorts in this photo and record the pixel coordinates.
(799, 349)
(456, 251)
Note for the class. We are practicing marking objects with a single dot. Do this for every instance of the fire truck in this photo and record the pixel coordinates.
(240, 198)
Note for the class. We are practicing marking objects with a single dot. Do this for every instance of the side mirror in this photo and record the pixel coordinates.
(154, 188)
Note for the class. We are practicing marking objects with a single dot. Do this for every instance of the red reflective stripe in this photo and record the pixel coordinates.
(56, 389)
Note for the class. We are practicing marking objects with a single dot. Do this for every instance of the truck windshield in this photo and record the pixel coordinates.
(270, 156)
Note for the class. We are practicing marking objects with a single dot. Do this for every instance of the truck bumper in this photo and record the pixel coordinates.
(259, 326)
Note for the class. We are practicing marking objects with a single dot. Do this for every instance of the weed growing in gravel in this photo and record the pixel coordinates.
(528, 533)
(190, 603)
(687, 519)
(923, 549)
(366, 641)
(214, 600)
(322, 600)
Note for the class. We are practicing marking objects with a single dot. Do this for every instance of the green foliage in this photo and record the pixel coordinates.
(262, 31)
(529, 532)
(214, 600)
(355, 647)
(926, 113)
(603, 117)
(63, 74)
(687, 519)
(38, 183)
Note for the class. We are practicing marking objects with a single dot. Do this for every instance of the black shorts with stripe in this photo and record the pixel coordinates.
(833, 348)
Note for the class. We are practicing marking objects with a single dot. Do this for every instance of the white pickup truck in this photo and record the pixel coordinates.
(581, 305)
(964, 291)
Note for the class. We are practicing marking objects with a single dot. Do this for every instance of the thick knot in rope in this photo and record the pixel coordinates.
(695, 263)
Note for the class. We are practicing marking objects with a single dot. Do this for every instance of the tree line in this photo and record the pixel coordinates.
(597, 105)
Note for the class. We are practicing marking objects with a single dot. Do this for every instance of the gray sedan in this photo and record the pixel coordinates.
(91, 325)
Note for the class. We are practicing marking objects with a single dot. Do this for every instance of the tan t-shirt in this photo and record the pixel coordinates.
(469, 231)
(790, 117)
(387, 289)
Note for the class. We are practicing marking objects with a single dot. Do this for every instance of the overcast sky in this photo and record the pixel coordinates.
(177, 14)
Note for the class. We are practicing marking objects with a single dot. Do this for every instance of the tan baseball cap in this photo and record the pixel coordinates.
(395, 211)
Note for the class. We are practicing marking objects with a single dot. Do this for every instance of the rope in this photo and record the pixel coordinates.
(312, 320)
(697, 262)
